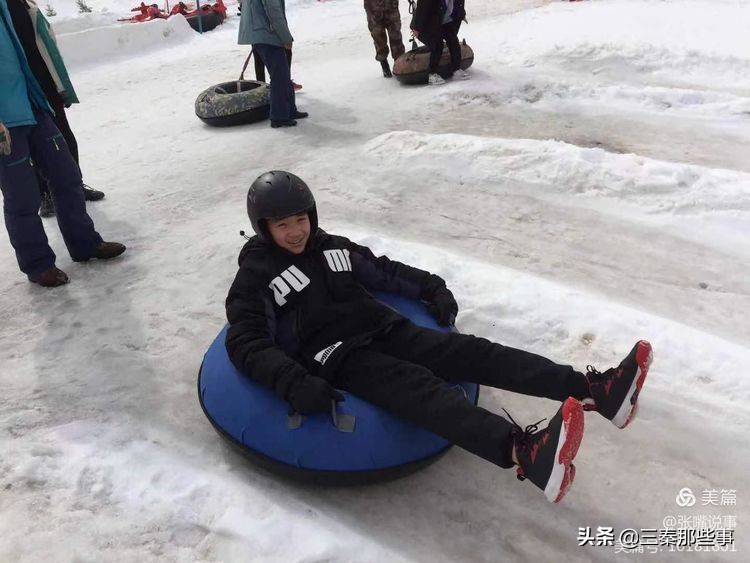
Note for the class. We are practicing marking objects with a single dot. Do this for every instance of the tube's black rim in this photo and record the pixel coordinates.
(253, 115)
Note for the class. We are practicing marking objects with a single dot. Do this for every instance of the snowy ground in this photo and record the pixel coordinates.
(588, 187)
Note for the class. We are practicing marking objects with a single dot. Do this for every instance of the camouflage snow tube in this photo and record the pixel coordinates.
(413, 66)
(234, 103)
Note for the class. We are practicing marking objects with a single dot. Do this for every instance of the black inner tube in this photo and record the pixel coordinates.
(231, 87)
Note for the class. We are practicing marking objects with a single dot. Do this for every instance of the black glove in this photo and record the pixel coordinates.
(440, 301)
(311, 395)
(443, 307)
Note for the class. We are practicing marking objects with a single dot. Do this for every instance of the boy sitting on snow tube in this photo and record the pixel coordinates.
(302, 321)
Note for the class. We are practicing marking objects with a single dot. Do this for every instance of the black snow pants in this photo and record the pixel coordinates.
(448, 36)
(404, 371)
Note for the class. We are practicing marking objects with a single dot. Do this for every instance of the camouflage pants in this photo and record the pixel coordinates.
(380, 22)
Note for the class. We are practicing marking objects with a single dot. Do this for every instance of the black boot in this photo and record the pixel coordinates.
(386, 69)
(283, 123)
(47, 208)
(90, 194)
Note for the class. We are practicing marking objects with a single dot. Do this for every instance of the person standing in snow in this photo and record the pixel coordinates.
(263, 25)
(383, 16)
(260, 66)
(30, 141)
(434, 23)
(46, 63)
(302, 322)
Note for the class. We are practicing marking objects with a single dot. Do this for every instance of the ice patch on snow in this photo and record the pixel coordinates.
(568, 96)
(676, 66)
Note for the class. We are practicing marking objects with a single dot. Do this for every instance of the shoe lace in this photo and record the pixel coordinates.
(592, 371)
(525, 432)
(521, 438)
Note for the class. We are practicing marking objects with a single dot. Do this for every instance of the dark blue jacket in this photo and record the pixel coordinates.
(428, 15)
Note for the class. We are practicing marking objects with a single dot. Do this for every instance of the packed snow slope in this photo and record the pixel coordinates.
(589, 186)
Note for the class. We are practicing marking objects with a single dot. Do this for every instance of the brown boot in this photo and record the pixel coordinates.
(107, 250)
(53, 277)
(104, 251)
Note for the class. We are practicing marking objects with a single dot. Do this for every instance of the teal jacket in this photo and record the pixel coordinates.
(20, 92)
(264, 21)
(46, 43)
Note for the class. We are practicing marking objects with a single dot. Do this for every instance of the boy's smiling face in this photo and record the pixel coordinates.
(290, 233)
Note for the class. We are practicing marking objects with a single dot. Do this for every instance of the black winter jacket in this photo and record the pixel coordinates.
(19, 14)
(428, 18)
(291, 315)
(459, 10)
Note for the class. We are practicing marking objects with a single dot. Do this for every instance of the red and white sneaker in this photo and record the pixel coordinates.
(545, 457)
(614, 393)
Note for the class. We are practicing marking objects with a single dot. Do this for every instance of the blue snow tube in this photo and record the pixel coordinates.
(359, 443)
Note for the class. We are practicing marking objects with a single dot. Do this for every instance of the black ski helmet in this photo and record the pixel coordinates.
(278, 194)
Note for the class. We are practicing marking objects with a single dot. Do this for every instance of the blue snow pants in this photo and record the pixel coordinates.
(43, 146)
(283, 106)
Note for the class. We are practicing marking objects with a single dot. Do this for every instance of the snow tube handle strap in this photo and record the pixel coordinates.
(342, 422)
(244, 68)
